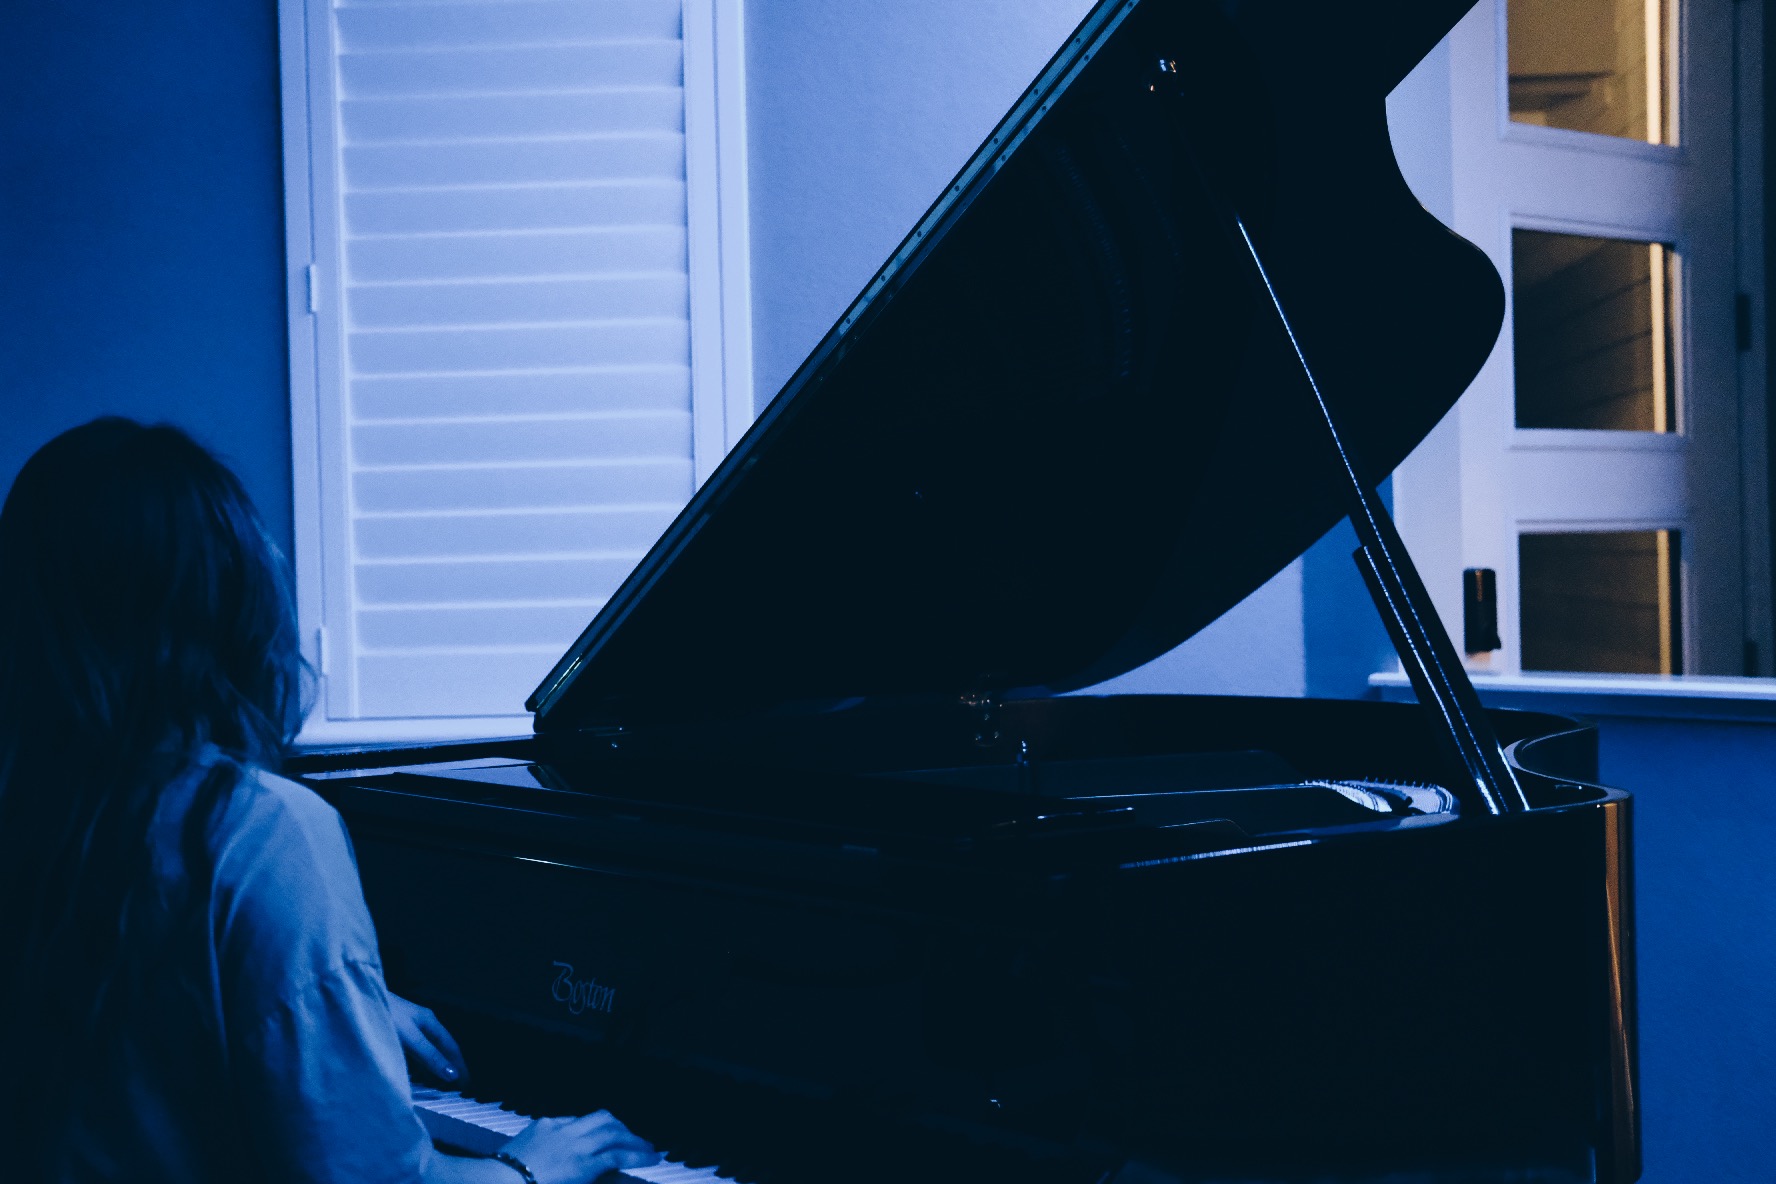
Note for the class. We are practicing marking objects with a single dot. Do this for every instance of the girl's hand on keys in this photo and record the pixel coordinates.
(579, 1150)
(429, 1047)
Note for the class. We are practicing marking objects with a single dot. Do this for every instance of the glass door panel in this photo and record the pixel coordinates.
(1593, 322)
(1601, 601)
(1601, 66)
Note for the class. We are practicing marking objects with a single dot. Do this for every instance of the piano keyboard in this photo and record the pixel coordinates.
(484, 1127)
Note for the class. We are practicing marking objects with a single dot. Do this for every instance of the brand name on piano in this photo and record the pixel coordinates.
(581, 994)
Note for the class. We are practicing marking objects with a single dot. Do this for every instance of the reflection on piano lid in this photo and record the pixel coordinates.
(805, 856)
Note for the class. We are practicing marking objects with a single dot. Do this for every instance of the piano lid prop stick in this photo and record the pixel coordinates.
(1438, 678)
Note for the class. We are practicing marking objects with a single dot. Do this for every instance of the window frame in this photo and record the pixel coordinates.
(721, 342)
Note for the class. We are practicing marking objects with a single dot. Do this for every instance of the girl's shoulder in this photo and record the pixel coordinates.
(282, 800)
(285, 878)
(273, 817)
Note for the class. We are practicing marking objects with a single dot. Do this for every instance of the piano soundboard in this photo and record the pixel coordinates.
(482, 1127)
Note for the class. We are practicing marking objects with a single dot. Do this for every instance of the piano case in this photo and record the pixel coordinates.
(815, 868)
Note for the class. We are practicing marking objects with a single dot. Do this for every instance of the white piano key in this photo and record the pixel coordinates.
(473, 1113)
(674, 1173)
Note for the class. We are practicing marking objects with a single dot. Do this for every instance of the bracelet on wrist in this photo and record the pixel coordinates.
(516, 1164)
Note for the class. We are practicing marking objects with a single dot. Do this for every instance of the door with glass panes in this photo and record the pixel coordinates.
(1600, 450)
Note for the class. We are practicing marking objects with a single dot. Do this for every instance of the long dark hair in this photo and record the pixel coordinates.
(145, 628)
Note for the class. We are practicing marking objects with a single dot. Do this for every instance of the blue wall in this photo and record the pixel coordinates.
(857, 116)
(1705, 853)
(141, 229)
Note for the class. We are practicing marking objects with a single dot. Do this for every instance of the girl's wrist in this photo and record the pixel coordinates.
(516, 1164)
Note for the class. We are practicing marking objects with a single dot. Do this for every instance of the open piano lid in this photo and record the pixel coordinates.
(1060, 432)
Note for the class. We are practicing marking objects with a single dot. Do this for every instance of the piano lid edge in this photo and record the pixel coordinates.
(1097, 25)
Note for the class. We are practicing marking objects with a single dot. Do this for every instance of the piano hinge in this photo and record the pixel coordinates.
(604, 733)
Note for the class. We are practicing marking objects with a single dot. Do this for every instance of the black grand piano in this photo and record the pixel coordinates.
(813, 872)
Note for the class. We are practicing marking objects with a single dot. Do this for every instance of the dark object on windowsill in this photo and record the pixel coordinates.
(1480, 613)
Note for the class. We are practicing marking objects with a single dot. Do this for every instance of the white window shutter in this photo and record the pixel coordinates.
(507, 412)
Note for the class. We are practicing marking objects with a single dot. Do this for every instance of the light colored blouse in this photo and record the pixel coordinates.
(260, 1047)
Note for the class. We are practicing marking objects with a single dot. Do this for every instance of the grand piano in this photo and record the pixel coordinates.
(814, 870)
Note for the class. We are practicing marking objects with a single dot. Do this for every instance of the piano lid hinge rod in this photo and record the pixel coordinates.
(1436, 673)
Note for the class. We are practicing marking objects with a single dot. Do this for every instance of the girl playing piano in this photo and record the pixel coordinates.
(189, 982)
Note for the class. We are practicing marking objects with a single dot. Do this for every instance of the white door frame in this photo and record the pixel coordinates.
(1508, 175)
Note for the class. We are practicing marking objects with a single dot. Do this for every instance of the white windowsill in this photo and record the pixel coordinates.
(1654, 696)
(328, 733)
